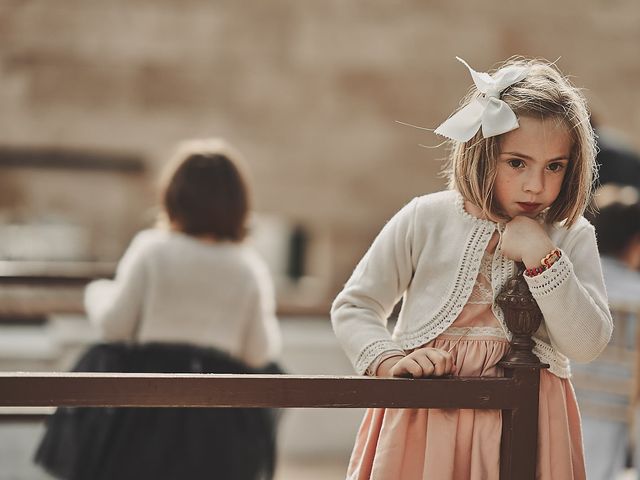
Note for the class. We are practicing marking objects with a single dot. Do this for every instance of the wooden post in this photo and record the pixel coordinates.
(519, 447)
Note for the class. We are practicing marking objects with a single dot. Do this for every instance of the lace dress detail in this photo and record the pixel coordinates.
(482, 293)
(469, 332)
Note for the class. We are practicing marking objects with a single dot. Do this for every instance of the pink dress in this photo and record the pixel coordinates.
(443, 444)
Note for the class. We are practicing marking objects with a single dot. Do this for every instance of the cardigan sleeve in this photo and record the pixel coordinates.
(115, 306)
(573, 299)
(360, 311)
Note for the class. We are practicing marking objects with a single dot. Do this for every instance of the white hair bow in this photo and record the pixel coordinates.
(486, 110)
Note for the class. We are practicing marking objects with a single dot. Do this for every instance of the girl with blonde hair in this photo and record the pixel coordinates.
(520, 171)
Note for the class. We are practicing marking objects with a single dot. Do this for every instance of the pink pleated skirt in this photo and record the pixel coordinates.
(442, 444)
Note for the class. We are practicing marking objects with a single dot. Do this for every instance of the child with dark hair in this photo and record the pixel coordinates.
(618, 230)
(192, 279)
(607, 436)
(189, 296)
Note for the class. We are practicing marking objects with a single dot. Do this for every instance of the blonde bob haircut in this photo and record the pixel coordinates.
(544, 94)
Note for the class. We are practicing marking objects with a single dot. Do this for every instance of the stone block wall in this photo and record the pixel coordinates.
(309, 90)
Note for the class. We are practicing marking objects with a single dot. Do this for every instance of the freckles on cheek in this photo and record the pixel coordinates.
(503, 183)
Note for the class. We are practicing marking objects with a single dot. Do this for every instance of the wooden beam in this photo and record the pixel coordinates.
(289, 391)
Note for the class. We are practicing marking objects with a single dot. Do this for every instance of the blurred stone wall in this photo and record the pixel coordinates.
(309, 90)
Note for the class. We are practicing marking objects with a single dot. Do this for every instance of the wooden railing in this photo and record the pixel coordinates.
(516, 394)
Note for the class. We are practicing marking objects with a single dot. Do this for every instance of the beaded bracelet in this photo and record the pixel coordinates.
(545, 263)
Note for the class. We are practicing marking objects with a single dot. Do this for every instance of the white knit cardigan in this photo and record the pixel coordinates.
(429, 254)
(171, 287)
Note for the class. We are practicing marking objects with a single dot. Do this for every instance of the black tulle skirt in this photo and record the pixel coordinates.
(88, 443)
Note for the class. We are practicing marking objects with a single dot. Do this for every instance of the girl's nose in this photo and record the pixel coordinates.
(534, 182)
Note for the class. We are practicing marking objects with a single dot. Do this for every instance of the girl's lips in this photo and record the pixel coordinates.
(528, 207)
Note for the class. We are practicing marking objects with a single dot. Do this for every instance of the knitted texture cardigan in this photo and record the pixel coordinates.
(429, 254)
(173, 288)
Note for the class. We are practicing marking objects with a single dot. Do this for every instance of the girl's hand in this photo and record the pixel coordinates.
(423, 362)
(524, 240)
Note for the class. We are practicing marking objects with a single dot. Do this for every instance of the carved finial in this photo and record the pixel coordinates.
(522, 316)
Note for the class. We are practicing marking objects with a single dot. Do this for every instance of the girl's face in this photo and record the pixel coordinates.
(531, 165)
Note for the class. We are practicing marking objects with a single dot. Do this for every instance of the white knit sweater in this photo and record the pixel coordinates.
(171, 287)
(429, 254)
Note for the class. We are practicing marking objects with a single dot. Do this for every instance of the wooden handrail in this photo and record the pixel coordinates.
(290, 391)
(516, 395)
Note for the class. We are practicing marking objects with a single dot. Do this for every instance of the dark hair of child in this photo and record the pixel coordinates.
(206, 194)
(617, 224)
